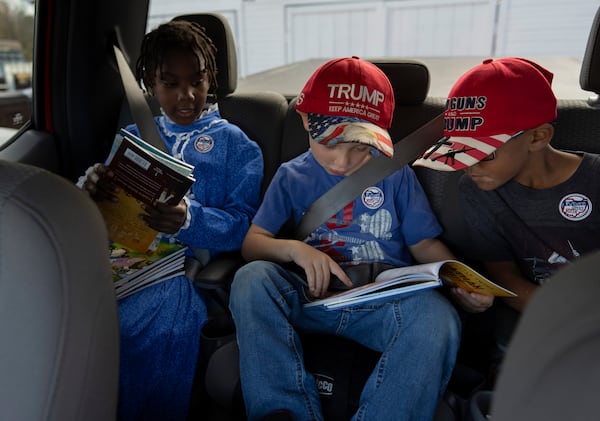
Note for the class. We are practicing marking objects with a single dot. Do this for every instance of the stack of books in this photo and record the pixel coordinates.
(145, 175)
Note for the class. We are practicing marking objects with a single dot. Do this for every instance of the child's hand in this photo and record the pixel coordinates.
(165, 218)
(99, 184)
(318, 267)
(471, 301)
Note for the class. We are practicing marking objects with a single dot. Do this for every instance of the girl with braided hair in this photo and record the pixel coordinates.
(161, 324)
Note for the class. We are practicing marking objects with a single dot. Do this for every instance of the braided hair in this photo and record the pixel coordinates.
(179, 36)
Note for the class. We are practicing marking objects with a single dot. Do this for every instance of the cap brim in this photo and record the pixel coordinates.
(458, 153)
(328, 130)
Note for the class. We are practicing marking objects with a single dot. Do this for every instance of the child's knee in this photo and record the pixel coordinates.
(445, 324)
(250, 280)
(249, 275)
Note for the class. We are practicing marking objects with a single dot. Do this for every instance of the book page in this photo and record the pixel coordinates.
(417, 283)
(403, 280)
(431, 269)
(390, 282)
(181, 167)
(460, 275)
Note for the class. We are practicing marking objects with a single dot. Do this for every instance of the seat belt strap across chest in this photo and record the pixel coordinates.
(140, 110)
(406, 150)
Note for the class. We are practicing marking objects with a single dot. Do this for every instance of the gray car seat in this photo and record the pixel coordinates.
(551, 369)
(59, 357)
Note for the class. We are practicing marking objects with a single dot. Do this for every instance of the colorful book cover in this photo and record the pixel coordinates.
(145, 176)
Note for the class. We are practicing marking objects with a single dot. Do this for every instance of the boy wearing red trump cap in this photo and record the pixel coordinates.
(530, 208)
(346, 107)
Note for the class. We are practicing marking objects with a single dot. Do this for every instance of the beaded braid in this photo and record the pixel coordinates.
(176, 35)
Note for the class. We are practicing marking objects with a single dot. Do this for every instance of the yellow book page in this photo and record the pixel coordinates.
(123, 223)
(466, 278)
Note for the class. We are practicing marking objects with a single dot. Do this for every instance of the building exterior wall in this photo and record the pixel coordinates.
(271, 33)
(545, 27)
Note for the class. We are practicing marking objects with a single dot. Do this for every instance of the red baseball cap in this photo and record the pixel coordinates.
(349, 100)
(488, 105)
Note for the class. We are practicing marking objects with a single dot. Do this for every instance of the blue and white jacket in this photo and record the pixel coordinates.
(228, 168)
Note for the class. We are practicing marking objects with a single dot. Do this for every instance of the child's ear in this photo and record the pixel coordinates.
(542, 135)
(304, 117)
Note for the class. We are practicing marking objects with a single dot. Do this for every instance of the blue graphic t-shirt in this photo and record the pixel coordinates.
(376, 227)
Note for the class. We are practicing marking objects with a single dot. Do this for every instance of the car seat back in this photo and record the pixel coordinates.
(261, 116)
(60, 349)
(577, 126)
(551, 369)
(578, 121)
(589, 76)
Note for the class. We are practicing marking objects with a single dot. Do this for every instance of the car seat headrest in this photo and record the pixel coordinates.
(219, 31)
(409, 78)
(589, 76)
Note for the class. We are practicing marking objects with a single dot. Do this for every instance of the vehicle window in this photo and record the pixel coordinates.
(450, 36)
(16, 43)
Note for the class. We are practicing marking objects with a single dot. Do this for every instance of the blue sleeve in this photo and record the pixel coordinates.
(226, 195)
(225, 201)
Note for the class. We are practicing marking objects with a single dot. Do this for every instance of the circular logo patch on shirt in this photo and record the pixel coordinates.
(204, 143)
(575, 207)
(372, 197)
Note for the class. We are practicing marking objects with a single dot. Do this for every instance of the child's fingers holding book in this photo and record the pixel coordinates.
(99, 185)
(471, 301)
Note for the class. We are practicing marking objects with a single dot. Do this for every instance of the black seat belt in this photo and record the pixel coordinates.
(140, 110)
(409, 148)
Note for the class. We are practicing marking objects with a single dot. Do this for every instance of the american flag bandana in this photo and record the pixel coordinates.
(329, 130)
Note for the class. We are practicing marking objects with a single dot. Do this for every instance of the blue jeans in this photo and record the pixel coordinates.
(418, 336)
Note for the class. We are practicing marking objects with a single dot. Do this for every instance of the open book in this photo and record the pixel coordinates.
(145, 175)
(133, 270)
(409, 279)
